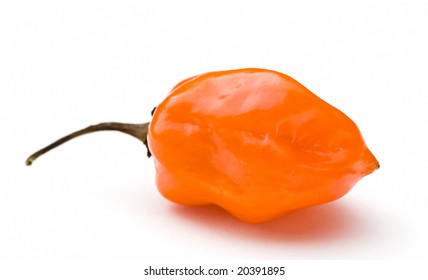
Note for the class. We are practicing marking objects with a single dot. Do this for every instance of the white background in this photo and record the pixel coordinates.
(67, 64)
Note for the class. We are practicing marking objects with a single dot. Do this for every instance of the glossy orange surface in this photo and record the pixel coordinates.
(255, 142)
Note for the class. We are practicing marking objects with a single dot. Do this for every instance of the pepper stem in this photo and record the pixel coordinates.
(138, 131)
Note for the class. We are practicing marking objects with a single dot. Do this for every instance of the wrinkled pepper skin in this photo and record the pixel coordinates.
(255, 142)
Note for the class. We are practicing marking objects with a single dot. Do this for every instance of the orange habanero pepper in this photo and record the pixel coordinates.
(253, 141)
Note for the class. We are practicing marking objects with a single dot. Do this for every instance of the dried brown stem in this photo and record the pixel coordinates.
(138, 131)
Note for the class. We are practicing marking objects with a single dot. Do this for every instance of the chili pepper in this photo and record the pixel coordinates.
(253, 141)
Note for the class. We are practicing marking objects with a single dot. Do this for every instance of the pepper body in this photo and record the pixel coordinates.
(255, 142)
